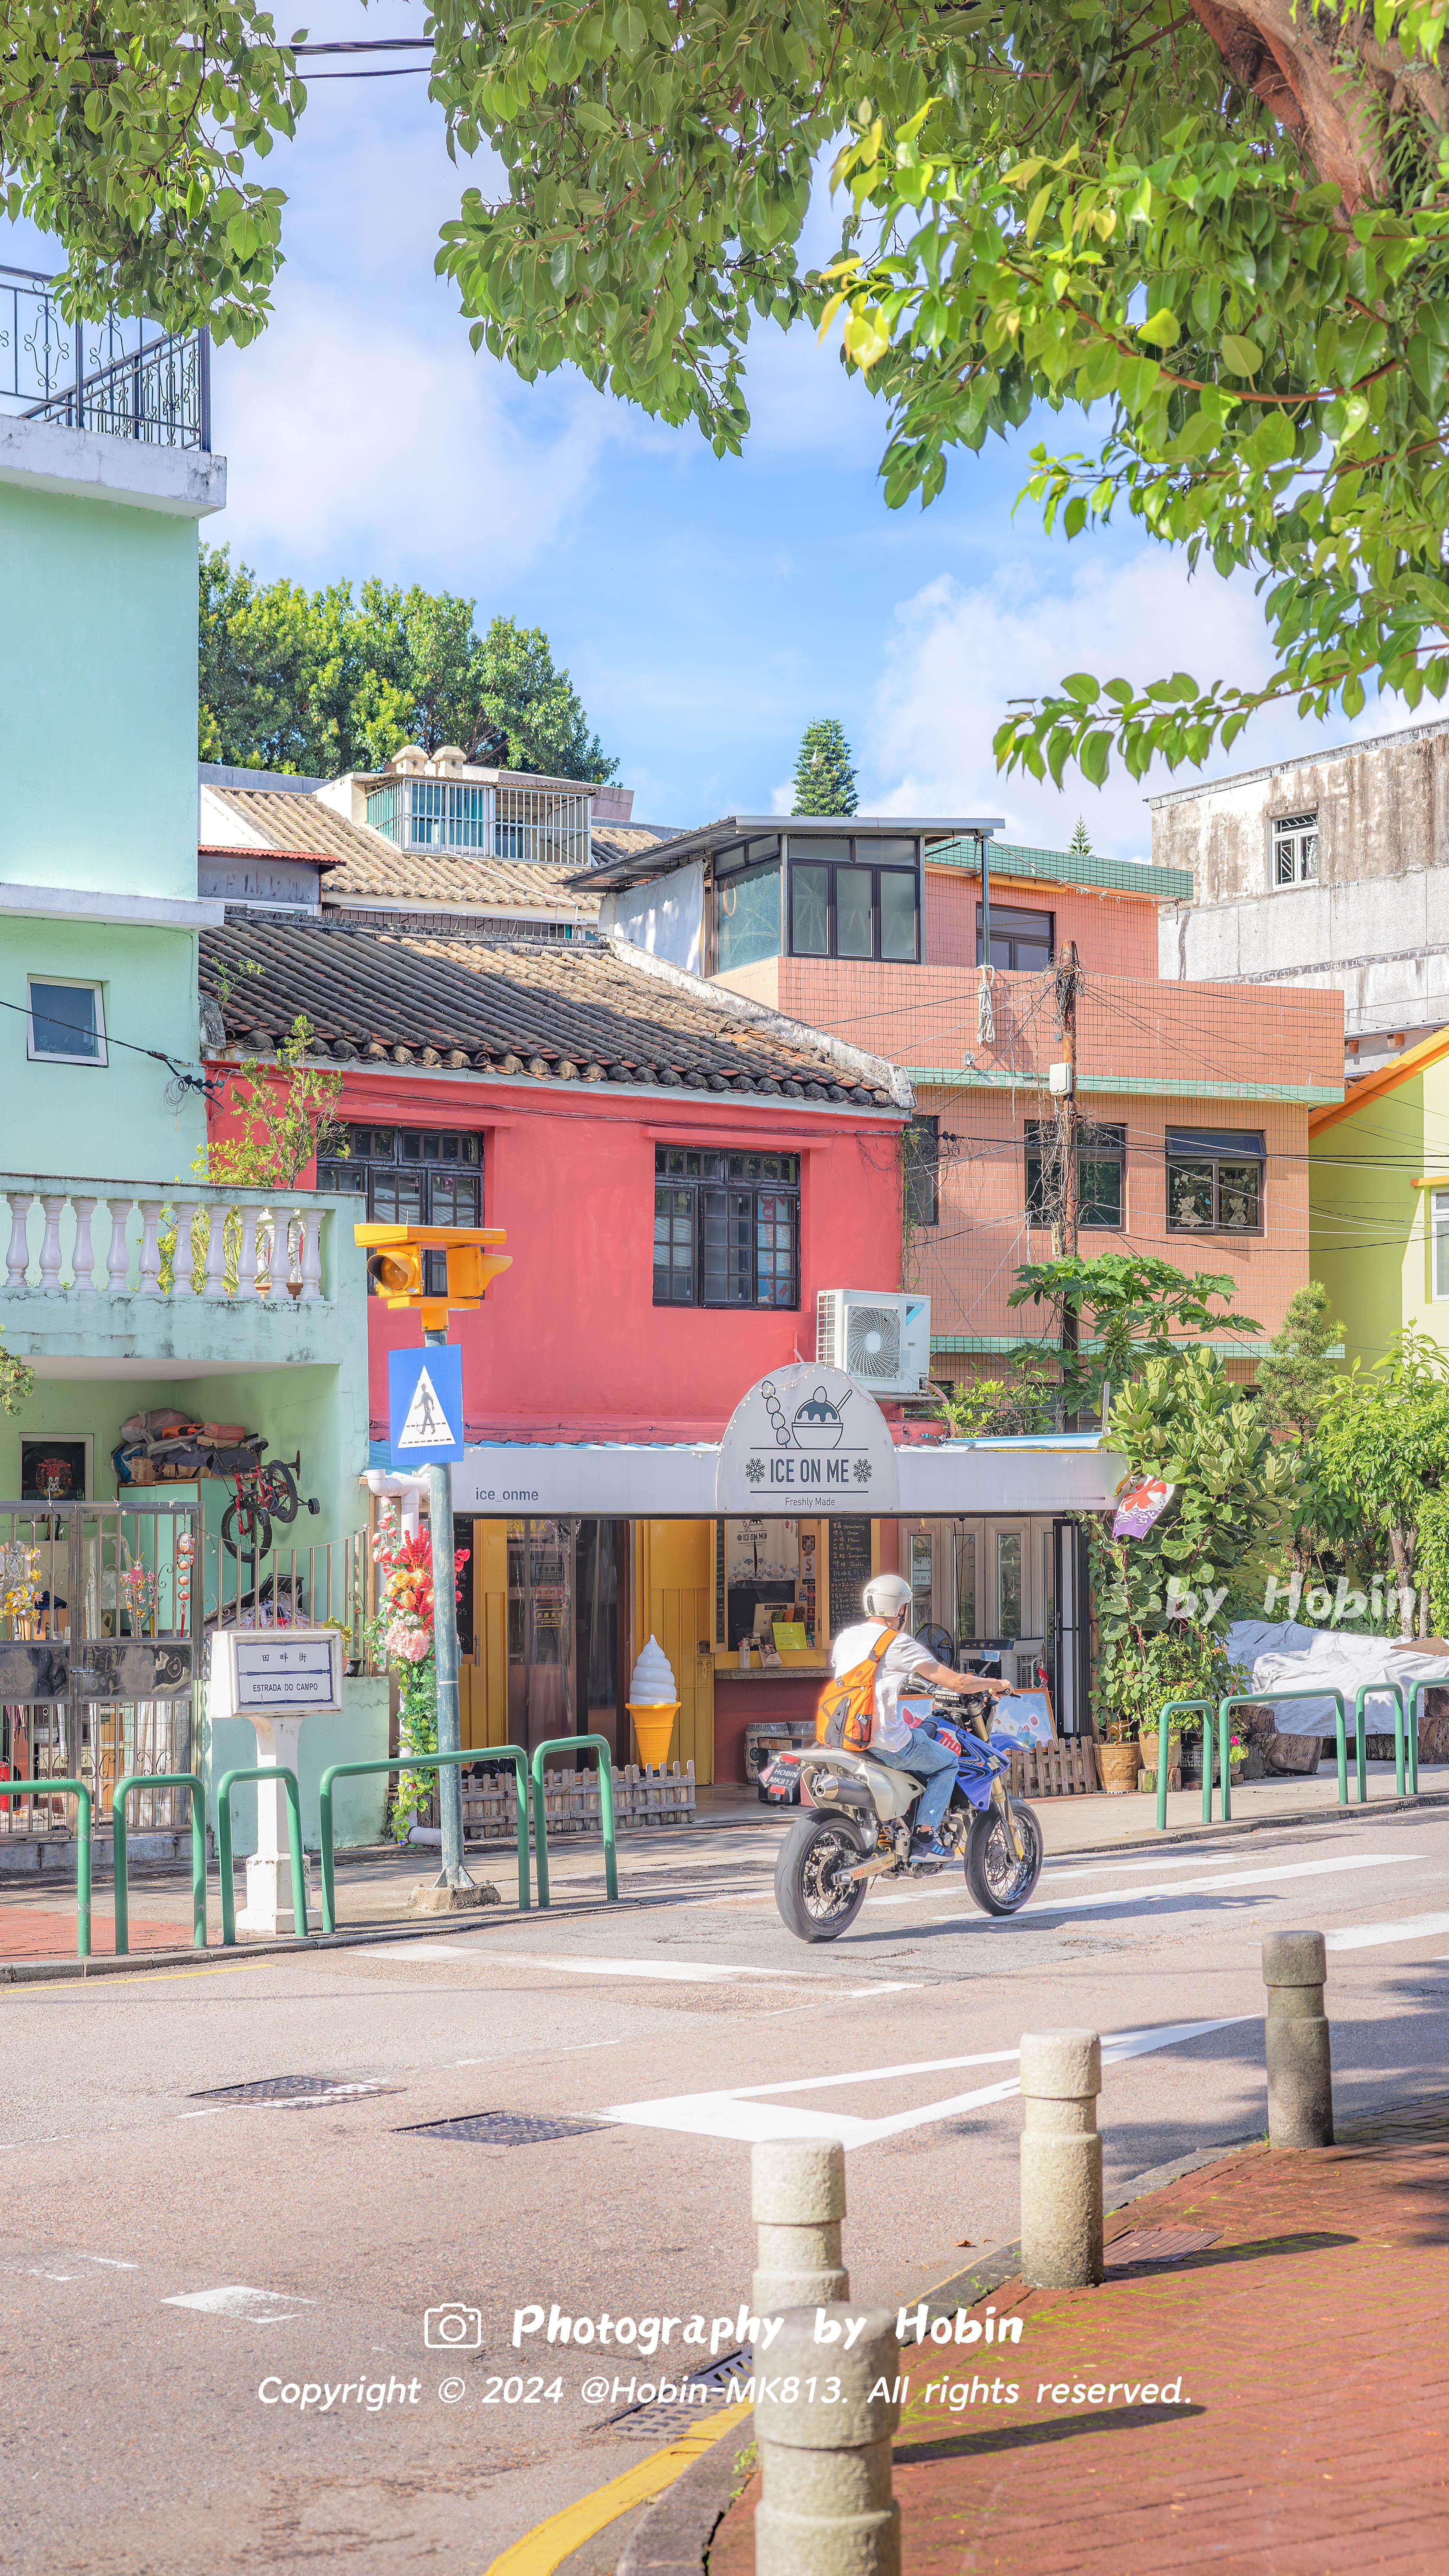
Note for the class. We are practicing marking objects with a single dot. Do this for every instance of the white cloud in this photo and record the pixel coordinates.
(959, 654)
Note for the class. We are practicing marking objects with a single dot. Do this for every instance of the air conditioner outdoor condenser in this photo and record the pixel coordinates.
(880, 1337)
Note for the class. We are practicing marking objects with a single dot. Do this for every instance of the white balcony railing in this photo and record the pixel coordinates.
(82, 1239)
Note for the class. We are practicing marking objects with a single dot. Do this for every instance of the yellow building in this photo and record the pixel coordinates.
(1379, 1201)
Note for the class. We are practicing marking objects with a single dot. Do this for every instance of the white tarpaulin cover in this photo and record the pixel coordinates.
(1283, 1655)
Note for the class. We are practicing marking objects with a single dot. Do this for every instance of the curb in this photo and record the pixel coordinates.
(25, 1972)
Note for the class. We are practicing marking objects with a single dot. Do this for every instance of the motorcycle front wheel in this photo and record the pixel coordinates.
(998, 1882)
(812, 1902)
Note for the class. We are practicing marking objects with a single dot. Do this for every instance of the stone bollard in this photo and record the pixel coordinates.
(827, 2507)
(1296, 2041)
(1061, 2159)
(798, 2202)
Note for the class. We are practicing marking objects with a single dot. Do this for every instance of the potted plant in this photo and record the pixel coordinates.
(1117, 1757)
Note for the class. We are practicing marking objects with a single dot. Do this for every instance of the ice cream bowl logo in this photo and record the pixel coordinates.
(818, 1423)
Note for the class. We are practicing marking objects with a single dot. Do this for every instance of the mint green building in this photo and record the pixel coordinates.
(129, 1284)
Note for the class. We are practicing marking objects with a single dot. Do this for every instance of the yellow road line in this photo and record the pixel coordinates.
(540, 2551)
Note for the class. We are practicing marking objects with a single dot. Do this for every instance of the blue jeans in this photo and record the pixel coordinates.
(931, 1762)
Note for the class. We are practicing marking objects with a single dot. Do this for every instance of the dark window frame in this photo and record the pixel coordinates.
(1211, 1150)
(457, 1154)
(1007, 922)
(921, 1172)
(800, 849)
(714, 1194)
(1097, 1142)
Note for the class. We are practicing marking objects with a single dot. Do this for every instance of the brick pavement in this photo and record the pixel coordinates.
(1311, 2340)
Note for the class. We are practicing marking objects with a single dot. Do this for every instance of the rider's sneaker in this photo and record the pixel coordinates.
(928, 1847)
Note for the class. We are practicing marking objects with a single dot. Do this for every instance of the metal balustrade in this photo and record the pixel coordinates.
(81, 1239)
(122, 376)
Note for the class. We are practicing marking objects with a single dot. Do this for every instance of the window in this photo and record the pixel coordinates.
(1008, 1583)
(1101, 1164)
(412, 1176)
(965, 1586)
(67, 1023)
(1214, 1181)
(921, 1154)
(746, 905)
(853, 897)
(1022, 941)
(1441, 1243)
(726, 1228)
(1295, 849)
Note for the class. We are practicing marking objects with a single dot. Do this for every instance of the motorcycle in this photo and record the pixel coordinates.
(858, 1825)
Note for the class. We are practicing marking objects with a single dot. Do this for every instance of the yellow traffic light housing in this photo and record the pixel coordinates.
(395, 1265)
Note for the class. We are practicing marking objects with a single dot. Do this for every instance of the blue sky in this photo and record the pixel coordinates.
(707, 609)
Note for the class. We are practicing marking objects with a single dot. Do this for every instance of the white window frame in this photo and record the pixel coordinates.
(53, 1055)
(1287, 834)
(1439, 1244)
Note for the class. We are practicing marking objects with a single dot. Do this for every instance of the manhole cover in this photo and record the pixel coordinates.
(303, 2092)
(500, 2128)
(657, 2419)
(1157, 2245)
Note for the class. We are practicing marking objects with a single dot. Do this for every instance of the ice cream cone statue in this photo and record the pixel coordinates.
(653, 1705)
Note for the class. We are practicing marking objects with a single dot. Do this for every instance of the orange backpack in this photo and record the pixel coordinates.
(846, 1710)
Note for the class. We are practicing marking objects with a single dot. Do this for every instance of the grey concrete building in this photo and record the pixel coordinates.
(1332, 870)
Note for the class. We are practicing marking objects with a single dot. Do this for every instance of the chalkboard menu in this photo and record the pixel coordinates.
(849, 1572)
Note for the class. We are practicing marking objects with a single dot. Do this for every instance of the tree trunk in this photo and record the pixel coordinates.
(1328, 82)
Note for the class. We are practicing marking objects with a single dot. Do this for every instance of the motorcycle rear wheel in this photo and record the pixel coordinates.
(811, 1903)
(997, 1881)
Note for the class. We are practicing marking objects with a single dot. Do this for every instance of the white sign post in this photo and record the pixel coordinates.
(277, 1678)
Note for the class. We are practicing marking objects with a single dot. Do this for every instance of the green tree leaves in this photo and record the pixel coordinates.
(315, 683)
(824, 770)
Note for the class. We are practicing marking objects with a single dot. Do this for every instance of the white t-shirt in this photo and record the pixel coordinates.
(903, 1656)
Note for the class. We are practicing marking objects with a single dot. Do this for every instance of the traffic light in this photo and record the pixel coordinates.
(395, 1265)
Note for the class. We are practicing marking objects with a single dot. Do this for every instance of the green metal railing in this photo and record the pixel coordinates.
(279, 1777)
(161, 1780)
(1411, 1712)
(576, 1744)
(1378, 1690)
(74, 1789)
(1202, 1708)
(1257, 1699)
(513, 1753)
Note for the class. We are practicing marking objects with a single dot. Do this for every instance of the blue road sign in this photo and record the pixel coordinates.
(425, 1406)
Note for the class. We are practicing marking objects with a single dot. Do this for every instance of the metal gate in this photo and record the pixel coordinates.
(100, 1654)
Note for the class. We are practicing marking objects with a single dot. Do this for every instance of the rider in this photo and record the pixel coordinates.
(893, 1740)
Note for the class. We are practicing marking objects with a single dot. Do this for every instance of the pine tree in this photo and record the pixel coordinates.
(824, 770)
(1080, 844)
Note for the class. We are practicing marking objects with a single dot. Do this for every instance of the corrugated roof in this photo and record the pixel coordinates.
(1067, 867)
(361, 862)
(563, 1013)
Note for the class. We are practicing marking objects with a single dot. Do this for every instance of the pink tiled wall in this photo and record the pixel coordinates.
(1116, 934)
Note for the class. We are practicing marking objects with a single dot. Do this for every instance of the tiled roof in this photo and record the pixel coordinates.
(391, 996)
(364, 863)
(613, 841)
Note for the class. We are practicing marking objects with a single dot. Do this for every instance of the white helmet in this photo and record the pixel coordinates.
(886, 1595)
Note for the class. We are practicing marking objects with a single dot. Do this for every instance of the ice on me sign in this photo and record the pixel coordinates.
(806, 1439)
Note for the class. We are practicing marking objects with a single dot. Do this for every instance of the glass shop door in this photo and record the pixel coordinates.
(541, 1698)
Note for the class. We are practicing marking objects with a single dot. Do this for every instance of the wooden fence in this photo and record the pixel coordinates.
(571, 1801)
(1065, 1770)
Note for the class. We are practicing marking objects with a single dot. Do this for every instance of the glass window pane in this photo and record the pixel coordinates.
(1189, 1197)
(63, 1017)
(747, 920)
(1099, 1190)
(810, 911)
(1239, 1200)
(853, 913)
(966, 1586)
(897, 914)
(818, 845)
(921, 1611)
(1008, 1584)
(1036, 1206)
(891, 852)
(1441, 1243)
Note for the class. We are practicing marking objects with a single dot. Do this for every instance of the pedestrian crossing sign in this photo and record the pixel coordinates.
(425, 1406)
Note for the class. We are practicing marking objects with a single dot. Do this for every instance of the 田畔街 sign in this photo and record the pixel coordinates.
(806, 1439)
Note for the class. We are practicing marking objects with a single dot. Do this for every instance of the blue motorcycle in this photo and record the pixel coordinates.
(857, 1825)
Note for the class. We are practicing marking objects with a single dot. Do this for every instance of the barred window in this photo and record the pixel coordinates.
(1214, 1181)
(412, 1176)
(726, 1228)
(1101, 1169)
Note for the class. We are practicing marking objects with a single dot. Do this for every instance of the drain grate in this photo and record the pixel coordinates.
(1157, 2245)
(501, 2128)
(301, 2092)
(659, 2419)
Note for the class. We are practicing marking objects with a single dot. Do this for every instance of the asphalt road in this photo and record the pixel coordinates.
(172, 2265)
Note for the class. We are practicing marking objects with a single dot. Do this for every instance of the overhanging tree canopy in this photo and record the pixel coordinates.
(1222, 228)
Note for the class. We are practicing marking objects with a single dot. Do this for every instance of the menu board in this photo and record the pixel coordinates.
(849, 1572)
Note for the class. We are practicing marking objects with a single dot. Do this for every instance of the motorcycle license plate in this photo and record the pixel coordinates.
(781, 1781)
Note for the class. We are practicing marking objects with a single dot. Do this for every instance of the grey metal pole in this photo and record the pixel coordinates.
(445, 1654)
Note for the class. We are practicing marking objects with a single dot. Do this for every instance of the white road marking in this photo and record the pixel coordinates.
(1369, 1936)
(673, 1972)
(1115, 1898)
(745, 2113)
(257, 2307)
(112, 2262)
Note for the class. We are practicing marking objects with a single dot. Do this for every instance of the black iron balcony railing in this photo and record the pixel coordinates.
(123, 377)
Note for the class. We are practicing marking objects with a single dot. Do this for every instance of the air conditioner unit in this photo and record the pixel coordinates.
(880, 1337)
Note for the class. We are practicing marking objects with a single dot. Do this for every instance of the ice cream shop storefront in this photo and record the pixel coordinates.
(742, 1559)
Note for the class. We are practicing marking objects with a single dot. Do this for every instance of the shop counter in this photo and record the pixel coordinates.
(745, 1699)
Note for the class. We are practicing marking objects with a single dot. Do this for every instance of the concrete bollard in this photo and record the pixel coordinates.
(1061, 2159)
(827, 2507)
(1296, 2041)
(798, 2202)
